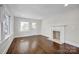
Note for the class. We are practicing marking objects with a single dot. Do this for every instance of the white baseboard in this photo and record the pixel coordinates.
(25, 36)
(76, 44)
(73, 43)
(7, 47)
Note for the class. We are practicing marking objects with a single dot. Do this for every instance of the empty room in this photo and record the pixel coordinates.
(39, 29)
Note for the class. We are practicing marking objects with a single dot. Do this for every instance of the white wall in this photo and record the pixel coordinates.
(0, 23)
(19, 33)
(4, 45)
(0, 31)
(70, 19)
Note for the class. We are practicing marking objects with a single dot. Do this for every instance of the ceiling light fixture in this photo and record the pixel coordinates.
(66, 5)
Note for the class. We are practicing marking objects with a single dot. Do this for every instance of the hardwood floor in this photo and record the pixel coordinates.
(39, 45)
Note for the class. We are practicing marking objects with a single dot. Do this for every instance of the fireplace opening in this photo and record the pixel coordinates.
(56, 35)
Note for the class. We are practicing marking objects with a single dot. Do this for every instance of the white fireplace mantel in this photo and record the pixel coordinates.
(59, 28)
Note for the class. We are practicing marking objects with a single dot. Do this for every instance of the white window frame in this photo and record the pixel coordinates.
(22, 25)
(34, 25)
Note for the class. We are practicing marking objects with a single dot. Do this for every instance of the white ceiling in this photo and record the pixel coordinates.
(39, 11)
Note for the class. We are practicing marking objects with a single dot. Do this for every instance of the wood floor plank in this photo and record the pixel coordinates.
(39, 45)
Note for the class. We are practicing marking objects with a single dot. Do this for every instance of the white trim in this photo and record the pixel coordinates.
(7, 47)
(57, 41)
(73, 43)
(61, 29)
(76, 44)
(5, 38)
(25, 35)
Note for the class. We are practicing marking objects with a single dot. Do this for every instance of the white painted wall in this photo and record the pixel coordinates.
(0, 23)
(0, 31)
(71, 19)
(4, 45)
(19, 33)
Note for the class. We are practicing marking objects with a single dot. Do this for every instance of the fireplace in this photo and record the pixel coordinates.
(58, 34)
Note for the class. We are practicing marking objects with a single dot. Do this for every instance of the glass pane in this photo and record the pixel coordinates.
(24, 26)
(34, 25)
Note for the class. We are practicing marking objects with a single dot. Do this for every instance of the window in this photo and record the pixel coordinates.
(24, 26)
(34, 25)
(5, 27)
